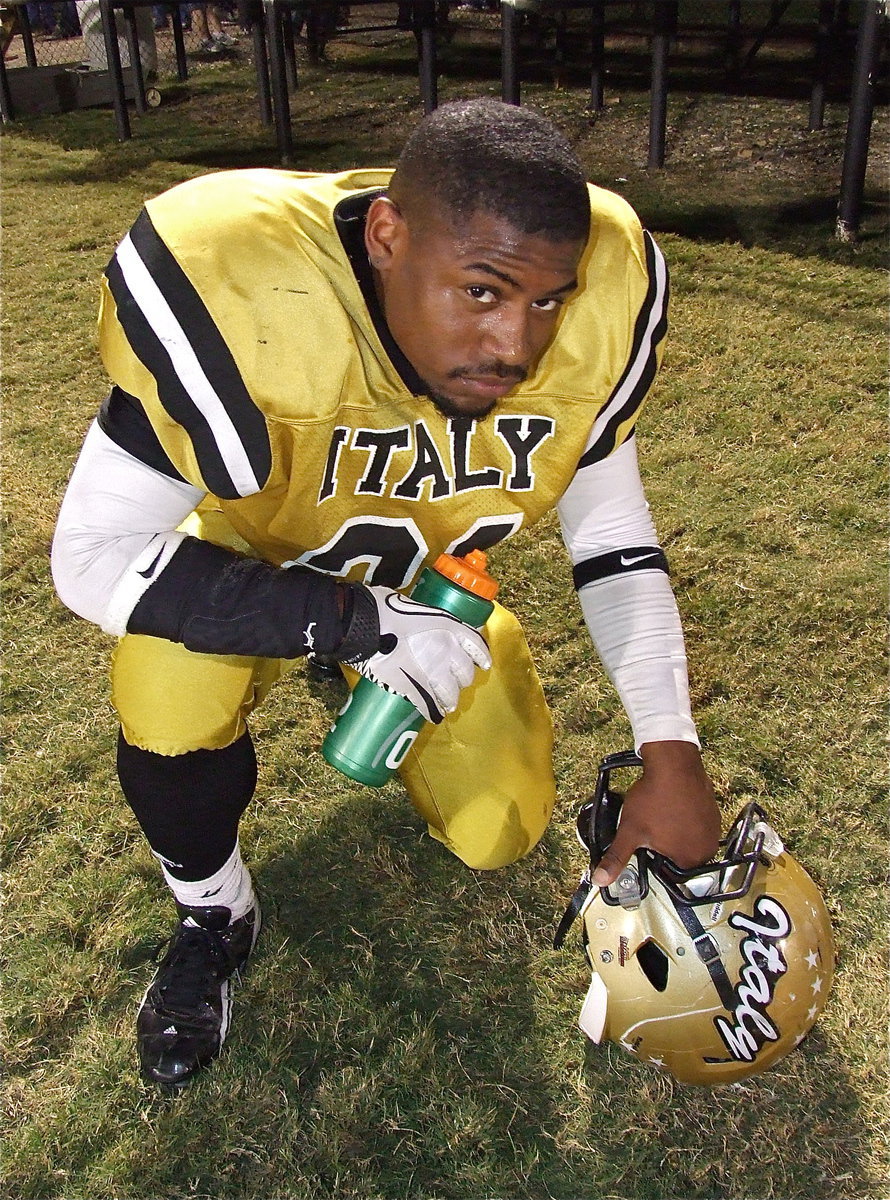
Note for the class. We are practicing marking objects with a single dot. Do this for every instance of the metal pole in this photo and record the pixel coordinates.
(261, 58)
(425, 35)
(132, 35)
(664, 24)
(734, 40)
(314, 41)
(778, 8)
(6, 110)
(597, 52)
(849, 209)
(280, 98)
(27, 35)
(288, 42)
(824, 32)
(115, 71)
(182, 68)
(509, 53)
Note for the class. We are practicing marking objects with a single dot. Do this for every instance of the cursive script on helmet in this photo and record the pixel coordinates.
(750, 1026)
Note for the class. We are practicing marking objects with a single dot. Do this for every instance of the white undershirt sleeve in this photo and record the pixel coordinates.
(116, 531)
(632, 616)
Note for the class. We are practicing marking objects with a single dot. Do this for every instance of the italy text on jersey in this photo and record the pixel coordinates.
(522, 436)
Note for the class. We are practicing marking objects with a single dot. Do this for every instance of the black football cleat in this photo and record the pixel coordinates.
(184, 1016)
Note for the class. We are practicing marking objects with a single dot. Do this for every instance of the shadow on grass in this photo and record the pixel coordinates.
(804, 227)
(397, 1013)
(414, 1057)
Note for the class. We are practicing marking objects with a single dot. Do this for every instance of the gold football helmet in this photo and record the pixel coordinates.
(712, 974)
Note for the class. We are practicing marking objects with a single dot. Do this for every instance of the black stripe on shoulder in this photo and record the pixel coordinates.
(124, 420)
(174, 396)
(207, 343)
(619, 562)
(627, 397)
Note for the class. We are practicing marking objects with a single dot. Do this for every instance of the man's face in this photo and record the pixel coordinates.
(471, 308)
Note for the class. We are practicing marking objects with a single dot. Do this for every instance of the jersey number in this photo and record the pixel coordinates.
(393, 549)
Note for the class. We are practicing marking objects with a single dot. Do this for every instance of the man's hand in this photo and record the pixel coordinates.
(424, 654)
(670, 809)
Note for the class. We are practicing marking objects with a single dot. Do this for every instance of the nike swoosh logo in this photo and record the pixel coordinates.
(433, 713)
(398, 603)
(150, 569)
(406, 607)
(629, 562)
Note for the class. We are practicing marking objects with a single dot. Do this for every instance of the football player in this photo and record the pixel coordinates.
(319, 384)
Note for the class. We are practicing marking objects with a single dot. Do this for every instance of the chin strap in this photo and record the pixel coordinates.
(596, 825)
(583, 890)
(708, 951)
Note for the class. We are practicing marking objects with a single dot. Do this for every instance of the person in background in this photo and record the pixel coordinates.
(41, 16)
(67, 24)
(161, 18)
(90, 18)
(207, 24)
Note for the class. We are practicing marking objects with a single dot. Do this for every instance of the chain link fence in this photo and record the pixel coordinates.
(69, 35)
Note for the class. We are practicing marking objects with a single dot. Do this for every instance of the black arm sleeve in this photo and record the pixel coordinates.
(215, 601)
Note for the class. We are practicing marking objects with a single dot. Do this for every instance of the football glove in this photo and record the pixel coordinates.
(423, 653)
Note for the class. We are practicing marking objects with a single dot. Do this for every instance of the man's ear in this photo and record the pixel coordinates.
(385, 232)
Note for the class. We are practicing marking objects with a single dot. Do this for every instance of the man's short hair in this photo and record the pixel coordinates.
(484, 156)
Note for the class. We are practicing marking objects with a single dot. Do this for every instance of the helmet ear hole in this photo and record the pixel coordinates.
(654, 964)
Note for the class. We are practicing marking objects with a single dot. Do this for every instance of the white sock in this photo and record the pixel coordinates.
(230, 886)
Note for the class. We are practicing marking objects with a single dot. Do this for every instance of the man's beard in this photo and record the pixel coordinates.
(448, 408)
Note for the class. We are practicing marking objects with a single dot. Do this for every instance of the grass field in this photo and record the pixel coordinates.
(406, 1032)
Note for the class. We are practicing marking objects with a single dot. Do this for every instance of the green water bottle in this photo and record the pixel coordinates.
(376, 728)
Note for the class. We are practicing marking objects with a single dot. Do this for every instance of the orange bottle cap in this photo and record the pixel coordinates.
(469, 572)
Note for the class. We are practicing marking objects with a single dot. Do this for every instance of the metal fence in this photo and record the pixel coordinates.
(69, 34)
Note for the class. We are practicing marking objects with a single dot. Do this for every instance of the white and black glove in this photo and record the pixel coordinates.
(217, 602)
(423, 653)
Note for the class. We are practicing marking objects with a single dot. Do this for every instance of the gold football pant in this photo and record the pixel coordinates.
(482, 779)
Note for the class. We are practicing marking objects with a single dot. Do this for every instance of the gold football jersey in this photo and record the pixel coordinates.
(231, 311)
